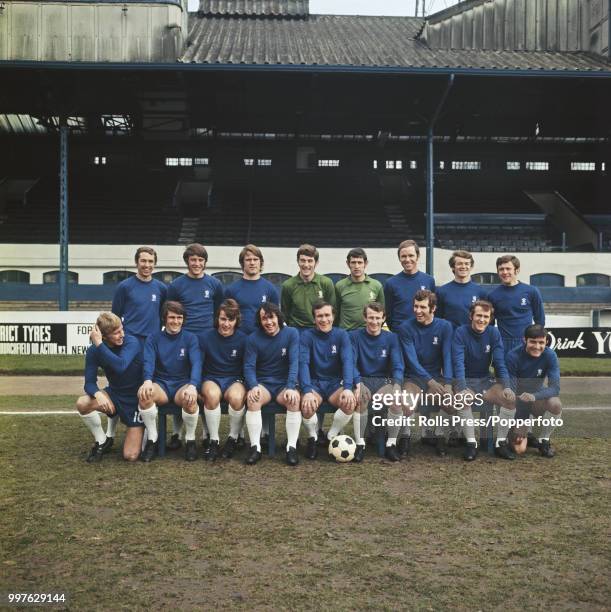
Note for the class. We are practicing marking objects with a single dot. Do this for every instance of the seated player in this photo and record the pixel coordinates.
(529, 365)
(378, 369)
(172, 371)
(271, 365)
(325, 374)
(475, 348)
(120, 358)
(222, 352)
(426, 342)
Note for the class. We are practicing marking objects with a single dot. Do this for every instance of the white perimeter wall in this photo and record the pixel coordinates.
(91, 261)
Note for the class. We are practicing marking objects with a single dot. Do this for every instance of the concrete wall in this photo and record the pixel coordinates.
(91, 261)
(92, 31)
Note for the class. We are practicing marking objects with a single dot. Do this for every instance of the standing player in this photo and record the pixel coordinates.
(172, 371)
(271, 366)
(251, 290)
(201, 295)
(137, 301)
(120, 356)
(378, 369)
(454, 299)
(355, 291)
(475, 348)
(198, 292)
(300, 292)
(427, 348)
(325, 373)
(400, 289)
(529, 365)
(516, 304)
(222, 352)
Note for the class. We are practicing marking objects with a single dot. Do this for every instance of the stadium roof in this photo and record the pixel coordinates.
(353, 42)
(279, 8)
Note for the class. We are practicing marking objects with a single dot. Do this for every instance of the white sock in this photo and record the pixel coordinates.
(468, 428)
(393, 429)
(190, 421)
(311, 426)
(204, 427)
(149, 418)
(546, 430)
(404, 431)
(94, 425)
(502, 429)
(213, 420)
(293, 424)
(145, 437)
(340, 420)
(177, 424)
(111, 426)
(236, 424)
(254, 424)
(359, 422)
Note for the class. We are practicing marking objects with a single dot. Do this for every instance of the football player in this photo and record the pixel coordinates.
(222, 352)
(378, 369)
(400, 289)
(120, 356)
(171, 373)
(325, 374)
(271, 365)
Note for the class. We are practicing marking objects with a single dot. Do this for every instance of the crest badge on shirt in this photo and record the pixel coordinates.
(523, 302)
(263, 299)
(383, 353)
(473, 299)
(372, 295)
(234, 353)
(487, 348)
(435, 340)
(153, 297)
(182, 353)
(320, 295)
(207, 294)
(283, 351)
(539, 372)
(422, 287)
(334, 350)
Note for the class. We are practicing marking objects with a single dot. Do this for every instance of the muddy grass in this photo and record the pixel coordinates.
(423, 534)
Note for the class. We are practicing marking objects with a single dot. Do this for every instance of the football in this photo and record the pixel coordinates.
(342, 448)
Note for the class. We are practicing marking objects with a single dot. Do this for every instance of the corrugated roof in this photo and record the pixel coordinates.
(278, 8)
(353, 41)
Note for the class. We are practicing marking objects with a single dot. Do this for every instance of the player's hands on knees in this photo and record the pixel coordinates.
(357, 393)
(189, 396)
(309, 403)
(95, 336)
(254, 395)
(145, 392)
(103, 402)
(436, 387)
(509, 395)
(447, 389)
(529, 398)
(467, 396)
(348, 399)
(291, 396)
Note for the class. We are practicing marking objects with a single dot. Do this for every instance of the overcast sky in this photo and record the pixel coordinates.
(366, 7)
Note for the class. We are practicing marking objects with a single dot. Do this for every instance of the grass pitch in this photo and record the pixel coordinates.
(423, 534)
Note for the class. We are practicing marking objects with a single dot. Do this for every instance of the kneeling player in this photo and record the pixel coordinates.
(378, 369)
(271, 363)
(172, 370)
(222, 352)
(325, 373)
(120, 358)
(529, 365)
(475, 348)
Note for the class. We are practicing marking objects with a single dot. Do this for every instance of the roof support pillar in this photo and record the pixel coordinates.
(63, 214)
(430, 180)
